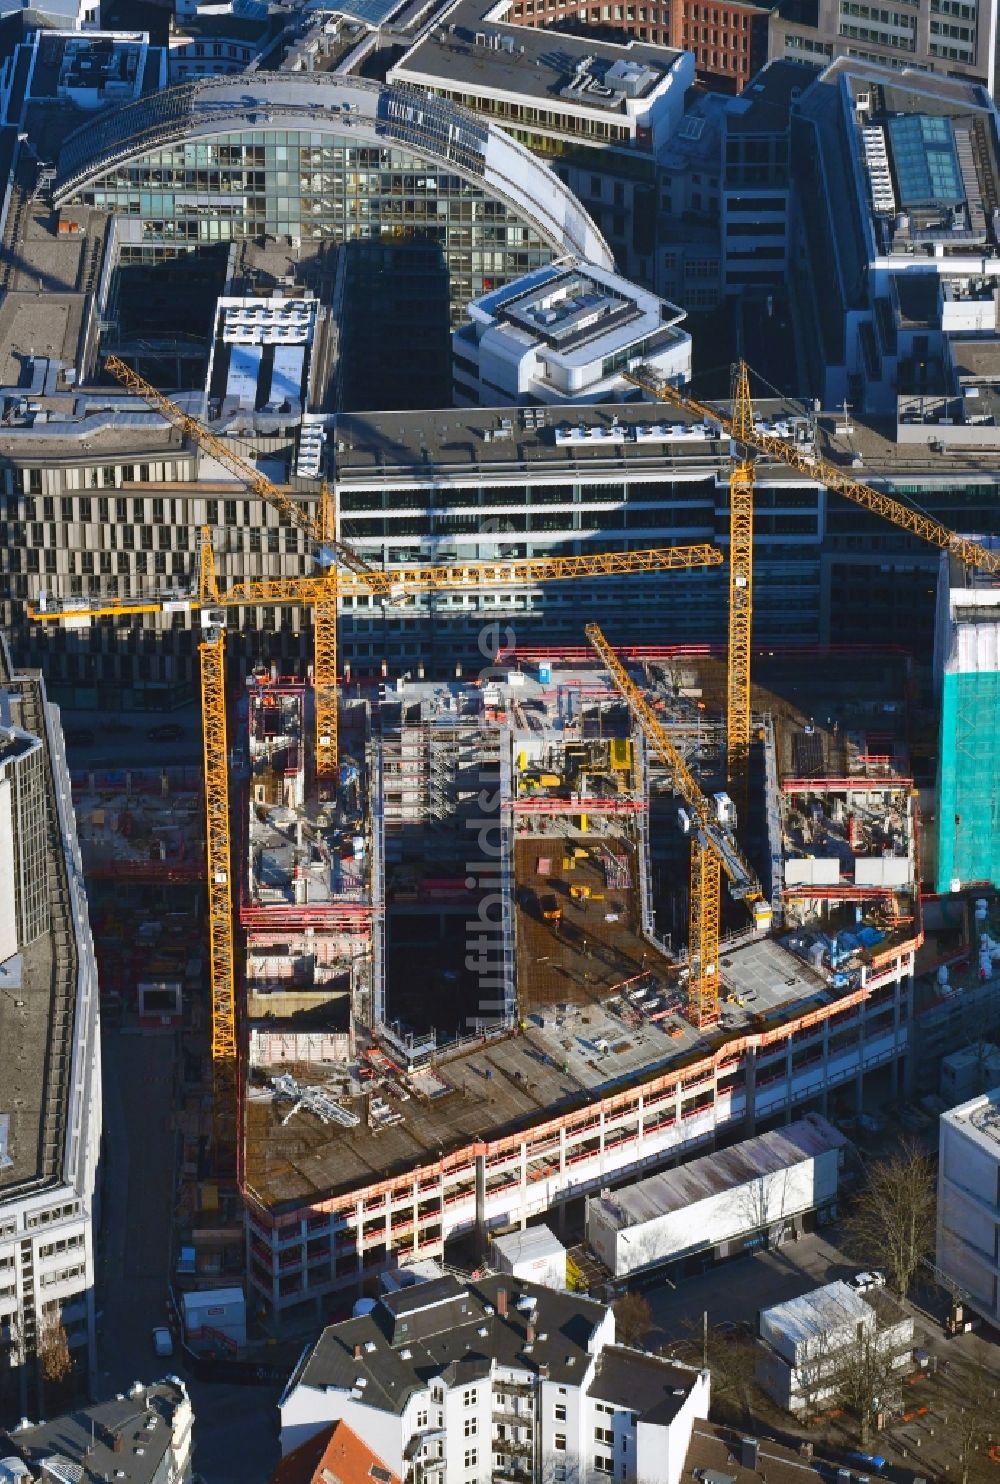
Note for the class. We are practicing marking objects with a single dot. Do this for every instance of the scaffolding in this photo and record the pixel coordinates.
(969, 780)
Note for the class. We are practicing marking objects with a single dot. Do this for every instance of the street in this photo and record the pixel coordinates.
(235, 1426)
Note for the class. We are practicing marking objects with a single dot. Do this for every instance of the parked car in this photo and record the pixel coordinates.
(873, 1461)
(79, 737)
(167, 731)
(861, 1282)
(163, 1341)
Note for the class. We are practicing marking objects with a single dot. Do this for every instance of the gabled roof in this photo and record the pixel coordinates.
(336, 1455)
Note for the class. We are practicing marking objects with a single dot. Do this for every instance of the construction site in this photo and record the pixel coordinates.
(479, 946)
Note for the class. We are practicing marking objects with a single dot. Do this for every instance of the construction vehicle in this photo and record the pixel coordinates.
(749, 440)
(713, 848)
(548, 906)
(212, 605)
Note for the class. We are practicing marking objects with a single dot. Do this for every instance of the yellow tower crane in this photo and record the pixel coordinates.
(748, 440)
(322, 533)
(713, 849)
(211, 604)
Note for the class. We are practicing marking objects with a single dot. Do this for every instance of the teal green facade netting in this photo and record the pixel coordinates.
(969, 781)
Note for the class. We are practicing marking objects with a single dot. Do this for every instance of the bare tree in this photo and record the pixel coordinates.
(732, 1361)
(633, 1318)
(893, 1220)
(863, 1375)
(54, 1353)
(763, 1203)
(974, 1422)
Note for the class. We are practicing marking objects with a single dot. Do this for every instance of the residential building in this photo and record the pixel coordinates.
(335, 1452)
(969, 1202)
(452, 1379)
(758, 1192)
(967, 679)
(951, 38)
(566, 334)
(146, 1436)
(810, 1342)
(50, 1098)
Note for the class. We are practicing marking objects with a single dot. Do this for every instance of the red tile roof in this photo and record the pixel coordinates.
(336, 1455)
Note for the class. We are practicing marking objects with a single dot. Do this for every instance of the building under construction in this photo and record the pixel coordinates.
(489, 856)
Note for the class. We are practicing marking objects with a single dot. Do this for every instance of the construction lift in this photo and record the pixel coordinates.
(713, 848)
(748, 441)
(211, 605)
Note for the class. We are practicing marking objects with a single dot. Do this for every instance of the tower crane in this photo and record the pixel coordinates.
(713, 848)
(748, 440)
(330, 553)
(211, 604)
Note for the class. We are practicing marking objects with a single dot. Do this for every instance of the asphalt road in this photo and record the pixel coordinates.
(235, 1426)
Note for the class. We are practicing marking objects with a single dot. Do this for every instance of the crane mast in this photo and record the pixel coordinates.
(741, 493)
(713, 850)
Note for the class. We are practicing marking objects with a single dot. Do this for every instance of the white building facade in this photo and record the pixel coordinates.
(50, 1101)
(450, 1381)
(969, 1202)
(566, 333)
(753, 1193)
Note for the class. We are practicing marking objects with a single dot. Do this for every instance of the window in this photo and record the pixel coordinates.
(471, 1458)
(604, 1435)
(471, 1427)
(603, 1464)
(559, 1442)
(470, 1398)
(422, 1417)
(559, 1412)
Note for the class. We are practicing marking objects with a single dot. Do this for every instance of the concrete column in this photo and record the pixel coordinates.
(789, 1070)
(859, 1080)
(481, 1206)
(523, 1156)
(360, 1229)
(751, 1092)
(896, 1022)
(825, 1102)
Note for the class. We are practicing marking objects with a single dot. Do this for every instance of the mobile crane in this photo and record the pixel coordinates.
(713, 848)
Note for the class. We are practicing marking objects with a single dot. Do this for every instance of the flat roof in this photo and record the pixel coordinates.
(676, 1190)
(38, 1010)
(466, 48)
(980, 1117)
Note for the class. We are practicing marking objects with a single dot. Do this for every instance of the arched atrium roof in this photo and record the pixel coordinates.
(346, 107)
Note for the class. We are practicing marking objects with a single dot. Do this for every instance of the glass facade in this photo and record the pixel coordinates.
(322, 188)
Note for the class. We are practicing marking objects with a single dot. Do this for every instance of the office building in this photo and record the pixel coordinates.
(967, 676)
(565, 335)
(896, 296)
(144, 1436)
(724, 184)
(470, 1379)
(50, 1098)
(969, 1203)
(596, 108)
(948, 39)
